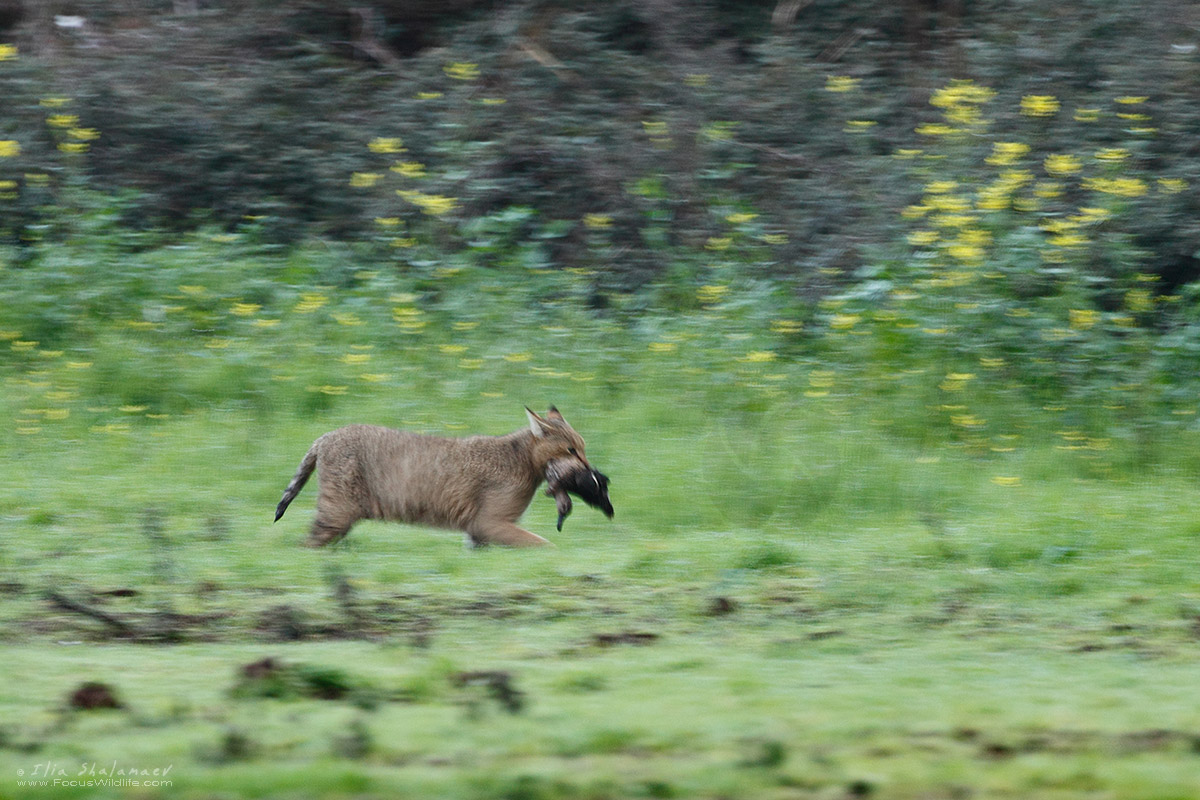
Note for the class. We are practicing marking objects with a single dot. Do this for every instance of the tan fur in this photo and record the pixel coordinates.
(480, 484)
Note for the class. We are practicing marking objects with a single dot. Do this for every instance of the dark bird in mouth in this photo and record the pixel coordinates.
(588, 484)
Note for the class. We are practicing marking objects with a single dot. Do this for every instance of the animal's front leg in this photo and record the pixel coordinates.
(485, 532)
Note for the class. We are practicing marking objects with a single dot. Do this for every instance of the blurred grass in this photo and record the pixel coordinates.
(841, 593)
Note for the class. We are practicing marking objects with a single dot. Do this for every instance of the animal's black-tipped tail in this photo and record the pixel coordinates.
(307, 465)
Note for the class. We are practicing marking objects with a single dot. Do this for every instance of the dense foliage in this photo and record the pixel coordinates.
(1007, 192)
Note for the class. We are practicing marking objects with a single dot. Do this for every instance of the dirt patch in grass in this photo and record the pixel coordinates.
(91, 695)
(273, 678)
(624, 637)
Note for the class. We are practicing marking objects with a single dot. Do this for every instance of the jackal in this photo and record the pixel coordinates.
(479, 484)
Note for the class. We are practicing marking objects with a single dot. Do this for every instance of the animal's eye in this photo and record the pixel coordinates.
(572, 451)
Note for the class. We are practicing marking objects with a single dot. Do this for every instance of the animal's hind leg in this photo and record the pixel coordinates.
(327, 528)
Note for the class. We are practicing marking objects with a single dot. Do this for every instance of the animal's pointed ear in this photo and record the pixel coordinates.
(554, 416)
(536, 423)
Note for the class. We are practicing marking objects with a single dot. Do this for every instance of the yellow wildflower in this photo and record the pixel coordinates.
(976, 236)
(956, 381)
(967, 253)
(9, 148)
(719, 131)
(1139, 300)
(936, 129)
(310, 302)
(993, 198)
(841, 83)
(1082, 319)
(1112, 154)
(1060, 165)
(597, 221)
(959, 93)
(952, 220)
(1068, 240)
(1039, 105)
(711, 293)
(434, 205)
(786, 326)
(409, 169)
(1088, 215)
(8, 52)
(1005, 153)
(385, 144)
(1047, 189)
(1122, 187)
(364, 180)
(462, 70)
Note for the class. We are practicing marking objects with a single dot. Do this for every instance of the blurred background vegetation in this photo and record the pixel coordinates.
(977, 206)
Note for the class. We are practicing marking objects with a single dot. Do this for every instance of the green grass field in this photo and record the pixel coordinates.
(811, 588)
